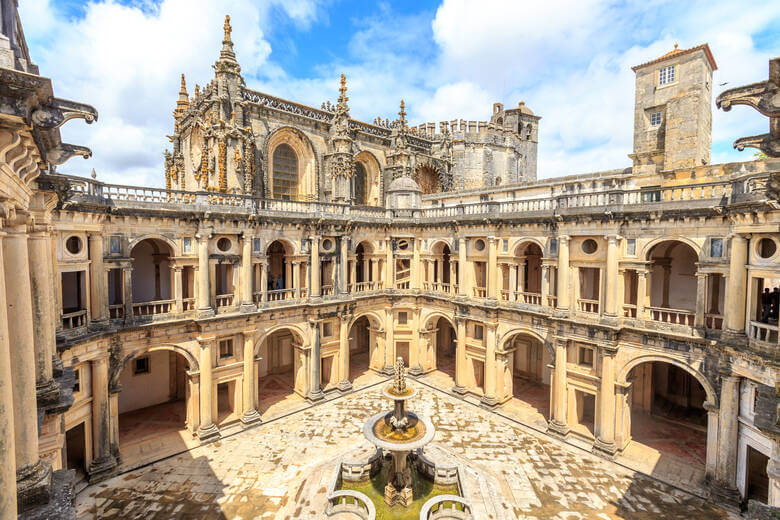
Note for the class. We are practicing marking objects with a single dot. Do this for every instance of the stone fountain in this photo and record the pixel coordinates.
(399, 432)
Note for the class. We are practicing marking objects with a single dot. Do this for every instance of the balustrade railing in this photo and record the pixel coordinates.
(529, 297)
(675, 316)
(278, 295)
(446, 507)
(116, 311)
(224, 300)
(350, 503)
(188, 304)
(74, 320)
(364, 287)
(480, 292)
(764, 333)
(152, 308)
(713, 320)
(403, 284)
(589, 306)
(326, 290)
(552, 301)
(629, 310)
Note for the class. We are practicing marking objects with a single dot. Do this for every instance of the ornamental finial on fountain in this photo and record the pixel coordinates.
(400, 378)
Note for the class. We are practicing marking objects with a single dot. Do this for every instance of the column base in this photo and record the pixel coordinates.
(250, 418)
(558, 429)
(101, 469)
(317, 395)
(33, 485)
(561, 312)
(103, 324)
(606, 449)
(488, 402)
(388, 370)
(247, 307)
(734, 336)
(47, 393)
(209, 433)
(460, 390)
(609, 319)
(344, 386)
(207, 312)
(416, 371)
(726, 495)
(60, 503)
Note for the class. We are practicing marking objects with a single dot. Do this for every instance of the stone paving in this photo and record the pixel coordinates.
(280, 470)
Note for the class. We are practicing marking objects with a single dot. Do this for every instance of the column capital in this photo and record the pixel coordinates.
(613, 239)
(206, 342)
(95, 235)
(563, 238)
(249, 331)
(609, 350)
(710, 407)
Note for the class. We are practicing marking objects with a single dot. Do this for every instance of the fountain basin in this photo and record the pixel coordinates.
(374, 430)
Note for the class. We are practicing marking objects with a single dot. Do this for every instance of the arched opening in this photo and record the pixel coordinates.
(531, 362)
(364, 268)
(151, 277)
(372, 187)
(440, 271)
(445, 346)
(667, 422)
(153, 404)
(280, 271)
(277, 373)
(360, 180)
(522, 279)
(427, 179)
(364, 354)
(76, 451)
(673, 283)
(285, 173)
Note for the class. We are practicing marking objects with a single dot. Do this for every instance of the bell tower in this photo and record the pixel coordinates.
(673, 110)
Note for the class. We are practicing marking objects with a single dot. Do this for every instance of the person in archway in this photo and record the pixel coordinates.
(766, 305)
(271, 282)
(775, 303)
(279, 283)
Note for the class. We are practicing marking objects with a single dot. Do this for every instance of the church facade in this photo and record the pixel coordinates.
(295, 248)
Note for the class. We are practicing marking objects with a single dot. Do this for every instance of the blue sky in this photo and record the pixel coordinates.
(569, 60)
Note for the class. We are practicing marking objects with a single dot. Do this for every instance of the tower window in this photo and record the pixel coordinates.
(285, 173)
(655, 119)
(666, 75)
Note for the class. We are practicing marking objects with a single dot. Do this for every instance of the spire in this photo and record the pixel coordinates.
(343, 91)
(227, 57)
(183, 101)
(402, 113)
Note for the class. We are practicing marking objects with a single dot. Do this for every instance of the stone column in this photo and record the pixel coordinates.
(545, 284)
(296, 279)
(611, 299)
(415, 364)
(315, 269)
(103, 462)
(605, 442)
(453, 275)
(247, 303)
(7, 447)
(345, 384)
(559, 423)
(250, 415)
(701, 300)
(387, 367)
(489, 397)
(374, 272)
(177, 289)
(521, 275)
(735, 311)
(127, 283)
(353, 273)
(462, 289)
(207, 431)
(343, 264)
(33, 476)
(429, 268)
(773, 472)
(512, 282)
(641, 294)
(389, 265)
(264, 280)
(711, 462)
(415, 267)
(205, 309)
(563, 273)
(315, 392)
(43, 316)
(492, 269)
(460, 355)
(728, 423)
(97, 277)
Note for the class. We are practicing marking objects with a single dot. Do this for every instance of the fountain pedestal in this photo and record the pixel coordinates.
(398, 489)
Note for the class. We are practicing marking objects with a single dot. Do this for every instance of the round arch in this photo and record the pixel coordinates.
(511, 333)
(712, 395)
(674, 238)
(174, 250)
(295, 329)
(440, 242)
(186, 354)
(526, 240)
(307, 162)
(438, 314)
(365, 242)
(373, 176)
(371, 315)
(289, 245)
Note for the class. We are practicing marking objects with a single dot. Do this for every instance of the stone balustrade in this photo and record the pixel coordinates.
(355, 502)
(446, 507)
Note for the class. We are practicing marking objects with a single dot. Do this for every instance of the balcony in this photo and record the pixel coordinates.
(327, 290)
(588, 306)
(278, 295)
(224, 300)
(152, 308)
(764, 334)
(672, 316)
(480, 292)
(188, 304)
(362, 287)
(440, 287)
(74, 320)
(117, 311)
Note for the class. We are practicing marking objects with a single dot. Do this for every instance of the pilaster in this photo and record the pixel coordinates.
(208, 431)
(250, 415)
(104, 463)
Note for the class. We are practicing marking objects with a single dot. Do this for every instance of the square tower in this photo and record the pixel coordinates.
(673, 110)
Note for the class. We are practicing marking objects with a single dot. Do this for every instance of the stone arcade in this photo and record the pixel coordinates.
(295, 253)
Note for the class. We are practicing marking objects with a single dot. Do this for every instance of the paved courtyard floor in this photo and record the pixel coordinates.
(280, 469)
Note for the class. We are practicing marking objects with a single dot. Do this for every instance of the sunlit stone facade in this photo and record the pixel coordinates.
(298, 246)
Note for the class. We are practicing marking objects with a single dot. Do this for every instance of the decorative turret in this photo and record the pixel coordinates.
(227, 63)
(183, 102)
(340, 158)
